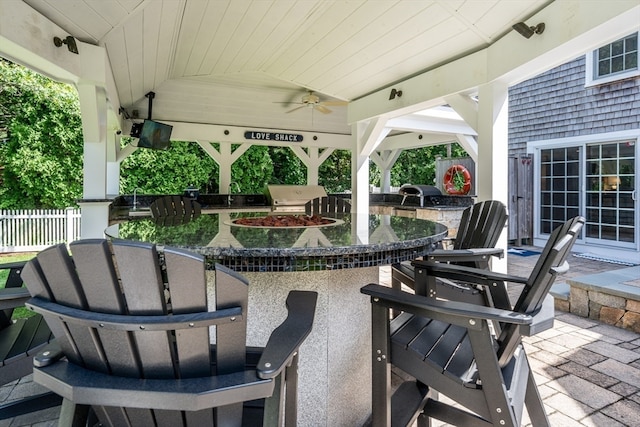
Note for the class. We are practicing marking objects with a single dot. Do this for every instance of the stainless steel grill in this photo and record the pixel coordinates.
(418, 190)
(292, 198)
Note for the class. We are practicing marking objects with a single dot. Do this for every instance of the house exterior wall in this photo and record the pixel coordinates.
(556, 104)
(556, 109)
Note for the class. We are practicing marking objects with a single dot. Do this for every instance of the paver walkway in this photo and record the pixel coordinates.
(588, 373)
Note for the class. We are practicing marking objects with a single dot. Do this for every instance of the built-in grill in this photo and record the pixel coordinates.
(421, 191)
(292, 198)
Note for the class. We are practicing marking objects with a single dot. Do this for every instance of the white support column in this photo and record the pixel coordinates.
(312, 159)
(470, 145)
(225, 158)
(369, 134)
(492, 171)
(113, 165)
(113, 179)
(385, 161)
(94, 204)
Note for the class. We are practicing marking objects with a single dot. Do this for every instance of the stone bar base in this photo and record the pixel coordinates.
(334, 386)
(447, 216)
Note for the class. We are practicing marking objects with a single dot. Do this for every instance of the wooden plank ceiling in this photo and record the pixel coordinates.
(250, 62)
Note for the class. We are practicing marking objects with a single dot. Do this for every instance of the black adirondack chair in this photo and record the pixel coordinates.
(134, 329)
(20, 340)
(474, 245)
(327, 205)
(450, 349)
(174, 210)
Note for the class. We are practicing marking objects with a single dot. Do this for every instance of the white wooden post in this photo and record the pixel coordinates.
(492, 171)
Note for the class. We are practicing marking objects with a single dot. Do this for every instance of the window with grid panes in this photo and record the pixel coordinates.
(559, 186)
(610, 177)
(614, 61)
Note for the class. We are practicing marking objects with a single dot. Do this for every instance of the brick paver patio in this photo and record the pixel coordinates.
(587, 372)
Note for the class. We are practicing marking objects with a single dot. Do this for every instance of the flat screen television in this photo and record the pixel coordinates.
(155, 135)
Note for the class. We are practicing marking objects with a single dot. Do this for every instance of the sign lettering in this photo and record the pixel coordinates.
(273, 136)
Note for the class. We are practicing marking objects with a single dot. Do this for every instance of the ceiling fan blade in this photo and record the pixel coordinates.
(322, 108)
(287, 103)
(297, 108)
(334, 103)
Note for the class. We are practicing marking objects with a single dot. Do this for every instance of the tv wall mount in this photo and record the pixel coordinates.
(136, 128)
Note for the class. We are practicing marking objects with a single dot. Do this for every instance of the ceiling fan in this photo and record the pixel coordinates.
(310, 100)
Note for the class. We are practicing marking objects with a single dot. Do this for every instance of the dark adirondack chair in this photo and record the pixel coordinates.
(133, 326)
(174, 210)
(450, 348)
(327, 205)
(474, 245)
(20, 340)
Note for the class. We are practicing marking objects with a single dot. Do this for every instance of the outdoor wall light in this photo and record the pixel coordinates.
(527, 31)
(395, 93)
(69, 41)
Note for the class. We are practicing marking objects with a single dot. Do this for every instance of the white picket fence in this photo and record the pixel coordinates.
(34, 230)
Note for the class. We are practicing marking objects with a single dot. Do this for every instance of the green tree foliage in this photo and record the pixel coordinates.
(287, 167)
(41, 149)
(41, 152)
(167, 171)
(252, 171)
(335, 173)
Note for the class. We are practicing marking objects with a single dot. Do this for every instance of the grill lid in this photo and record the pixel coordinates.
(293, 197)
(419, 190)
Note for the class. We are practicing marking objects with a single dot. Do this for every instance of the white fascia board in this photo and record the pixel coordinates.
(572, 28)
(414, 140)
(234, 134)
(26, 37)
(420, 123)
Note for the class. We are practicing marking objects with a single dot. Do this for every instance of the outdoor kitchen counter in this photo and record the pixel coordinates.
(334, 387)
(353, 241)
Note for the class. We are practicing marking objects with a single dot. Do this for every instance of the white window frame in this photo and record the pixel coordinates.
(583, 245)
(590, 67)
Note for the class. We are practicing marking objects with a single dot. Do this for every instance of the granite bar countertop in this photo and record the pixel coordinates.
(354, 240)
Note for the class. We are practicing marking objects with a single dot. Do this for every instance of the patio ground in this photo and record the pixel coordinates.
(588, 373)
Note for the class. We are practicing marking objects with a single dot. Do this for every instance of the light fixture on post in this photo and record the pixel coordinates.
(69, 41)
(527, 31)
(395, 94)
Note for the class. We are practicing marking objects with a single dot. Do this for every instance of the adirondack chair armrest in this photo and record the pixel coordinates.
(542, 319)
(285, 340)
(10, 265)
(86, 387)
(13, 297)
(460, 255)
(459, 313)
(466, 274)
(48, 355)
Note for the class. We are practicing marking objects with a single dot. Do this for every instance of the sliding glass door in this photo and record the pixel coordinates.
(603, 190)
(559, 187)
(611, 192)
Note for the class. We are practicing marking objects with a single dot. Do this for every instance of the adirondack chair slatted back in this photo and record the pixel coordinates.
(20, 340)
(479, 228)
(327, 204)
(481, 225)
(133, 279)
(552, 260)
(175, 206)
(13, 280)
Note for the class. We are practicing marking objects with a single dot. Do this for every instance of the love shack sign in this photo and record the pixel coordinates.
(272, 136)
